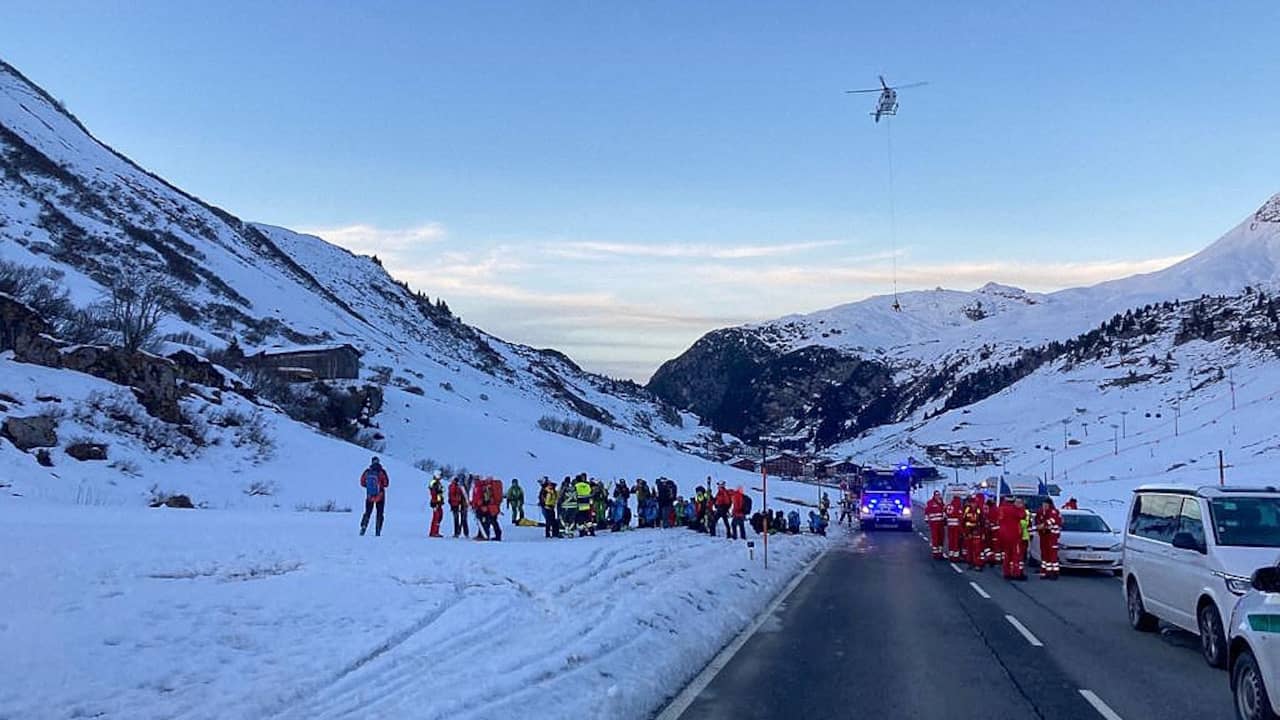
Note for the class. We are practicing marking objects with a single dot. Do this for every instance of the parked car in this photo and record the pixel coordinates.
(1255, 648)
(1189, 554)
(1087, 543)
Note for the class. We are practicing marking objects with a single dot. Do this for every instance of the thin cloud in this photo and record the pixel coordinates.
(1030, 275)
(590, 250)
(370, 239)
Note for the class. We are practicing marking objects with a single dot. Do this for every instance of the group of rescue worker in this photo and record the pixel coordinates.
(980, 532)
(583, 505)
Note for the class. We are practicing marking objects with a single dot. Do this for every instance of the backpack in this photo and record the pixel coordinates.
(746, 504)
(372, 482)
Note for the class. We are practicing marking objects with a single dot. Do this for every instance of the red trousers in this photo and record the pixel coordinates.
(997, 550)
(937, 536)
(977, 549)
(1013, 558)
(437, 514)
(955, 542)
(1049, 566)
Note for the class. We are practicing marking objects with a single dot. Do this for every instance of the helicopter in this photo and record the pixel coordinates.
(888, 102)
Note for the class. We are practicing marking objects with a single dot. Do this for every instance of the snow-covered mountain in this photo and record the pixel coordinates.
(818, 379)
(452, 394)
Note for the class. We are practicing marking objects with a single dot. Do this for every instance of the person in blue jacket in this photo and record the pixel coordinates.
(817, 525)
(793, 522)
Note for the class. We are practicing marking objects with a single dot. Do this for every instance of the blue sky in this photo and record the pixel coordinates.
(614, 179)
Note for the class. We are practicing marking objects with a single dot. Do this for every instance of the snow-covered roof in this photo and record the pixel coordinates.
(295, 349)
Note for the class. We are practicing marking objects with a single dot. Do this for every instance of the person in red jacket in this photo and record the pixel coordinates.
(935, 513)
(491, 497)
(724, 504)
(477, 507)
(738, 529)
(974, 522)
(374, 480)
(994, 555)
(1012, 516)
(955, 541)
(1071, 504)
(1049, 525)
(486, 500)
(436, 490)
(458, 507)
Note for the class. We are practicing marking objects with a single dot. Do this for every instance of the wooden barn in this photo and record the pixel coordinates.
(743, 463)
(784, 465)
(307, 362)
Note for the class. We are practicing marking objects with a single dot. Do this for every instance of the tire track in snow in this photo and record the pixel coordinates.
(391, 643)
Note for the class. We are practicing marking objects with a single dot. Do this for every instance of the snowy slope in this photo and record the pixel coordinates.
(1156, 409)
(71, 203)
(922, 353)
(292, 615)
(264, 602)
(940, 320)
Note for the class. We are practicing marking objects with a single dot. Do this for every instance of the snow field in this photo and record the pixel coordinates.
(137, 613)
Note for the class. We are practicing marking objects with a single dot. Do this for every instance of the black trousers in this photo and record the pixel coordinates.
(490, 525)
(550, 528)
(369, 505)
(460, 525)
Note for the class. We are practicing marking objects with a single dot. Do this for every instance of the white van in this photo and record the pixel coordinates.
(1189, 554)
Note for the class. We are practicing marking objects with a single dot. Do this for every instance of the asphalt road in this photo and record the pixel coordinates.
(879, 628)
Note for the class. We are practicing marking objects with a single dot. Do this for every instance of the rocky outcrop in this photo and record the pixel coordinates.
(196, 370)
(155, 379)
(20, 326)
(706, 378)
(26, 433)
(815, 395)
(84, 451)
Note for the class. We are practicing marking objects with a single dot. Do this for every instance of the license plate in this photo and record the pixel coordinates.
(1092, 556)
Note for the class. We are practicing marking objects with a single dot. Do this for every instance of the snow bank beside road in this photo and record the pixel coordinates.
(156, 613)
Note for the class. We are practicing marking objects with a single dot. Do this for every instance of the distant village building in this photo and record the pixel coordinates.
(844, 468)
(784, 465)
(743, 464)
(310, 362)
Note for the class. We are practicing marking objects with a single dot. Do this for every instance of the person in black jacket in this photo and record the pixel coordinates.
(666, 502)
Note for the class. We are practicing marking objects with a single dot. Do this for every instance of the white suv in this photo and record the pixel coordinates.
(1255, 648)
(1189, 554)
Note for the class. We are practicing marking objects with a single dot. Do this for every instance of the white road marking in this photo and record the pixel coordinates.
(923, 537)
(1103, 709)
(691, 691)
(978, 589)
(1035, 641)
(957, 568)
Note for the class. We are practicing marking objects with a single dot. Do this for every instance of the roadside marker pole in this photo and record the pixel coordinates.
(764, 477)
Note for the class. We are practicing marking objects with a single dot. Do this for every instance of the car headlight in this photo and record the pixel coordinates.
(1236, 584)
(906, 512)
(1117, 547)
(866, 509)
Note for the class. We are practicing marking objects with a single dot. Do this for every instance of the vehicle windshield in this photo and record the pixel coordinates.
(1084, 523)
(884, 483)
(1247, 521)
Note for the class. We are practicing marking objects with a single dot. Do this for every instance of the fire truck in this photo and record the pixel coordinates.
(886, 499)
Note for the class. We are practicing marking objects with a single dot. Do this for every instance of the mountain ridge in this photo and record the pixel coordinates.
(73, 205)
(921, 352)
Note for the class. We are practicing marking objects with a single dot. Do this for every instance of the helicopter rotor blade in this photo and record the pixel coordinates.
(875, 90)
(883, 85)
(909, 85)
